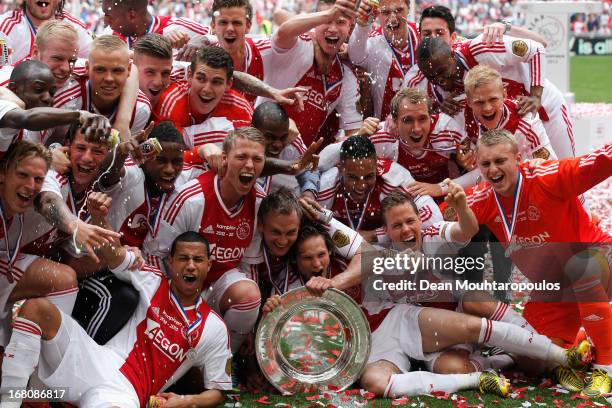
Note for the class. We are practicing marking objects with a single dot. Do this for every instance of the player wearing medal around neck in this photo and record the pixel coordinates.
(22, 174)
(222, 208)
(305, 58)
(20, 26)
(523, 206)
(33, 83)
(353, 190)
(279, 221)
(521, 64)
(388, 371)
(107, 87)
(172, 330)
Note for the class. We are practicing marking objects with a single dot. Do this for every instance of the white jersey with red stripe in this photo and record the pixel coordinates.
(39, 234)
(163, 340)
(290, 153)
(528, 130)
(338, 89)
(78, 69)
(19, 32)
(164, 25)
(9, 136)
(387, 64)
(77, 95)
(427, 165)
(137, 218)
(390, 176)
(197, 206)
(232, 112)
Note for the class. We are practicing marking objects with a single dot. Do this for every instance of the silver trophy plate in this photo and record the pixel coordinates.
(310, 343)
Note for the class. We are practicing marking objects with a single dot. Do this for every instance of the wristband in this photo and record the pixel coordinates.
(126, 263)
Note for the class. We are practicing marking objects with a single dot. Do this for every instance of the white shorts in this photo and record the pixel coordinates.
(213, 294)
(19, 268)
(89, 372)
(398, 338)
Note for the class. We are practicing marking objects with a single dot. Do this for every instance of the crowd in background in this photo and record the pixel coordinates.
(470, 14)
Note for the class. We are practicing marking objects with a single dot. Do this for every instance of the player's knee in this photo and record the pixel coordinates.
(36, 309)
(64, 277)
(375, 380)
(452, 362)
(470, 328)
(478, 308)
(239, 292)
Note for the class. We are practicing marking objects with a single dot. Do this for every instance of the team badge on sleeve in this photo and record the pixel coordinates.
(340, 239)
(541, 153)
(519, 47)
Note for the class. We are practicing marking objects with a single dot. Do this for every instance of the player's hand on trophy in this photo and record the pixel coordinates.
(370, 127)
(318, 284)
(272, 303)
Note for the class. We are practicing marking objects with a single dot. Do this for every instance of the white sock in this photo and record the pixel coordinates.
(240, 319)
(64, 299)
(504, 313)
(20, 358)
(424, 382)
(515, 339)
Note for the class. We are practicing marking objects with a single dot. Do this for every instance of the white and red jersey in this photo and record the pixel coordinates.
(387, 64)
(163, 340)
(291, 152)
(528, 130)
(8, 136)
(232, 112)
(545, 210)
(390, 177)
(78, 68)
(164, 25)
(137, 218)
(429, 164)
(19, 32)
(78, 95)
(338, 89)
(39, 234)
(197, 206)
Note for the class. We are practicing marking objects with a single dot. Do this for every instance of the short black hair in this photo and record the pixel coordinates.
(310, 229)
(430, 46)
(25, 70)
(269, 111)
(219, 4)
(190, 236)
(214, 57)
(357, 147)
(281, 201)
(166, 132)
(439, 12)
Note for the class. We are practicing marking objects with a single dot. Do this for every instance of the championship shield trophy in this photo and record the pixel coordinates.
(311, 343)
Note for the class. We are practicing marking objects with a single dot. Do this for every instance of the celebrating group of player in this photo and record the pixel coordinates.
(145, 261)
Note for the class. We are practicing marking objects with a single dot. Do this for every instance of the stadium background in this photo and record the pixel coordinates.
(592, 85)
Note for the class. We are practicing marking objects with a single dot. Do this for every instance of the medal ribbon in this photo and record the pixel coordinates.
(153, 218)
(348, 213)
(12, 254)
(285, 286)
(190, 327)
(510, 224)
(397, 58)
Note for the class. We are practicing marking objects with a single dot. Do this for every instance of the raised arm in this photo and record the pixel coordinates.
(127, 104)
(467, 225)
(288, 32)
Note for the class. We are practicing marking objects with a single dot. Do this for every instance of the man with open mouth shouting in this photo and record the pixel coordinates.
(353, 190)
(223, 208)
(20, 26)
(310, 60)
